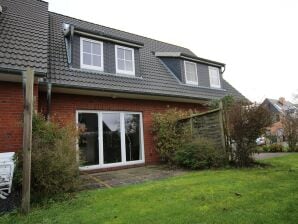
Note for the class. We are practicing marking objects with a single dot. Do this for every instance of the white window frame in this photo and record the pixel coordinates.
(211, 84)
(189, 81)
(123, 144)
(120, 71)
(92, 67)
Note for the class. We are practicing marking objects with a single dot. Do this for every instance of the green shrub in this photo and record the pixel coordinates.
(291, 149)
(245, 124)
(259, 149)
(276, 148)
(54, 167)
(272, 138)
(200, 154)
(265, 148)
(168, 134)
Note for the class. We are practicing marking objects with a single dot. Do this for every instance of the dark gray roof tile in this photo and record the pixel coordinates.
(32, 36)
(155, 78)
(24, 35)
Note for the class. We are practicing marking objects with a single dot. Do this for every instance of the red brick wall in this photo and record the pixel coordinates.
(11, 115)
(64, 108)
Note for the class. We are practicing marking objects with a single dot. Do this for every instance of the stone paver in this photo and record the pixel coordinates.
(268, 155)
(127, 176)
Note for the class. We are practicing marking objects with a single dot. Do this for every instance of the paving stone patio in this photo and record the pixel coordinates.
(127, 176)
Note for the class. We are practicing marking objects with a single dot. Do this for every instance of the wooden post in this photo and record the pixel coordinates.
(27, 139)
(221, 122)
(191, 128)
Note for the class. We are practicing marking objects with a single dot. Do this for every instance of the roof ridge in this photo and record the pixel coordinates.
(121, 31)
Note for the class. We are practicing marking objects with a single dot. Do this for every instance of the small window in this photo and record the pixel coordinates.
(91, 54)
(214, 77)
(191, 75)
(125, 60)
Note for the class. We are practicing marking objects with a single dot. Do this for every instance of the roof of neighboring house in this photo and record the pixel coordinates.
(281, 108)
(24, 35)
(155, 78)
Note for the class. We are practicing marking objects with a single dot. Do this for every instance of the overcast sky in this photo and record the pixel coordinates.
(257, 39)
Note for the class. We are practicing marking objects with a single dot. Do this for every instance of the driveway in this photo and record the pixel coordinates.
(268, 155)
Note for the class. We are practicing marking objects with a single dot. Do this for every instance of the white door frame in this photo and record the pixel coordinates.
(122, 132)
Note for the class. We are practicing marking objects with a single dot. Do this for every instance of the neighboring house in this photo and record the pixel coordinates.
(107, 81)
(279, 108)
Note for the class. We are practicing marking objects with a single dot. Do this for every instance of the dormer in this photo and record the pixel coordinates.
(97, 52)
(193, 71)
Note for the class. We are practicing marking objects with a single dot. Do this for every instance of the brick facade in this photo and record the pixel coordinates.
(64, 106)
(63, 109)
(11, 115)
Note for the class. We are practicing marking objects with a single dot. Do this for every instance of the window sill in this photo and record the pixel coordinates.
(111, 165)
(202, 87)
(119, 72)
(92, 68)
(104, 73)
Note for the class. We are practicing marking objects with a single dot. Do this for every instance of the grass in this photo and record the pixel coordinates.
(258, 195)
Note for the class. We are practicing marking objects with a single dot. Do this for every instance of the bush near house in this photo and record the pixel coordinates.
(168, 134)
(173, 141)
(54, 167)
(276, 148)
(200, 154)
(290, 124)
(245, 124)
(242, 126)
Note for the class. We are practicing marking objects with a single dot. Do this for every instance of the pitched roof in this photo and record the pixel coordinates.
(24, 35)
(189, 57)
(155, 77)
(286, 106)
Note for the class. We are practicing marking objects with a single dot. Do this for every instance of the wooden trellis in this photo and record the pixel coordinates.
(207, 124)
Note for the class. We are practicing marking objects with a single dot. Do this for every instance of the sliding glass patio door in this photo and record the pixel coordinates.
(110, 138)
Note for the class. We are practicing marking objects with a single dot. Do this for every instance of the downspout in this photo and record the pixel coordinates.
(49, 99)
(223, 70)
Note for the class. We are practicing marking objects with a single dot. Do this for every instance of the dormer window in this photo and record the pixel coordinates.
(191, 75)
(124, 60)
(91, 54)
(214, 77)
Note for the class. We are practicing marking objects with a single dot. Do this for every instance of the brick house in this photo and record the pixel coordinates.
(107, 81)
(279, 109)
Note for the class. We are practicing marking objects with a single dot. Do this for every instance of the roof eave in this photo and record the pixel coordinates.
(190, 58)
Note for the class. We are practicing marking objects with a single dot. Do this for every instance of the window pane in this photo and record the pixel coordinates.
(96, 49)
(120, 53)
(214, 77)
(132, 137)
(190, 68)
(128, 55)
(86, 59)
(96, 60)
(128, 66)
(86, 46)
(120, 64)
(88, 141)
(191, 77)
(191, 74)
(111, 137)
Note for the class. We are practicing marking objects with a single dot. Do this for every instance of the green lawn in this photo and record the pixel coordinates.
(263, 195)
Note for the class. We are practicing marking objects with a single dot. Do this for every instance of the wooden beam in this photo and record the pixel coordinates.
(27, 139)
(221, 123)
